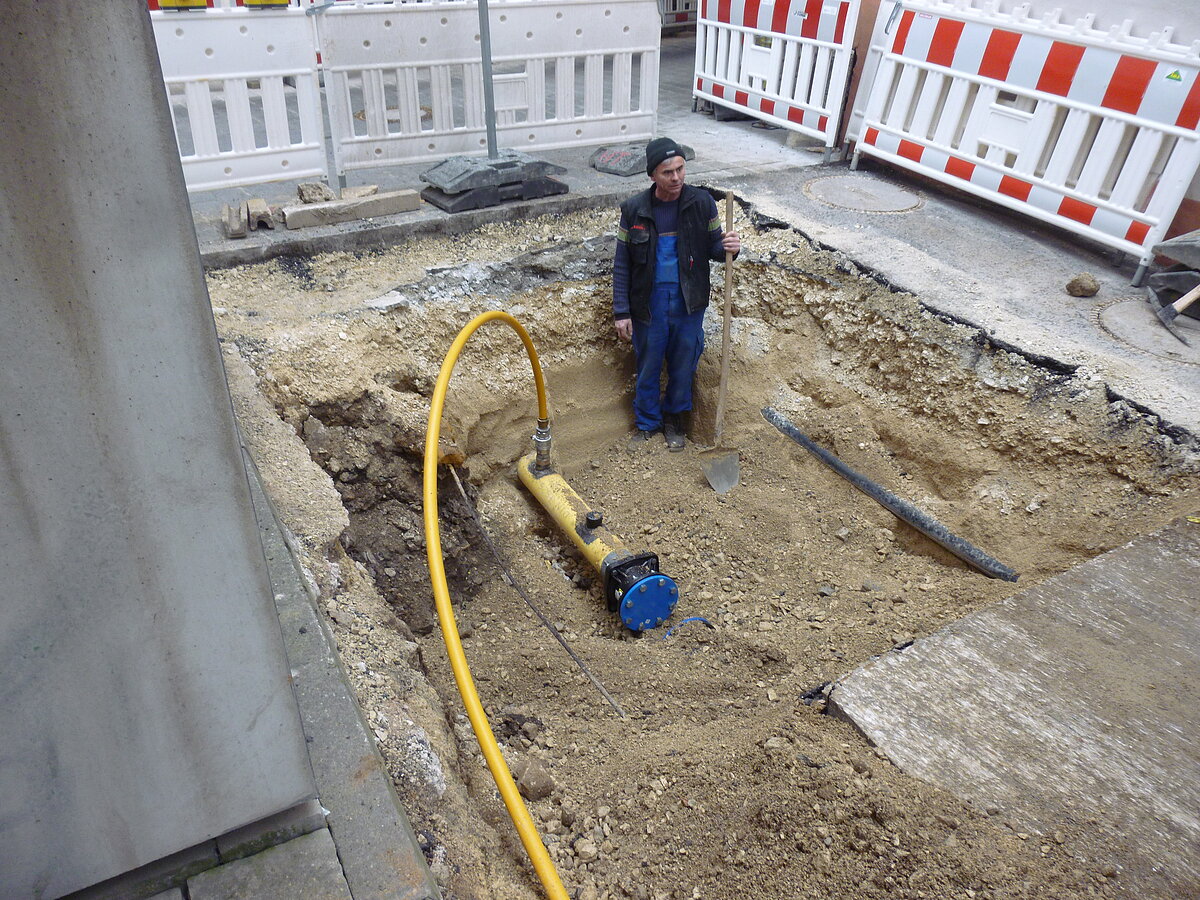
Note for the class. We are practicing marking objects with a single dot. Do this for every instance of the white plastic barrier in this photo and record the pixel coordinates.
(404, 80)
(1092, 131)
(786, 62)
(244, 94)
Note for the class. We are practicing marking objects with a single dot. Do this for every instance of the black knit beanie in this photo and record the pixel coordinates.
(658, 150)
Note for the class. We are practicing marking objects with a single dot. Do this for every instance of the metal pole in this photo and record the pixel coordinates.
(489, 99)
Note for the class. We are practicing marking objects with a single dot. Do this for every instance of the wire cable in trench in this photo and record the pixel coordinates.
(508, 576)
(542, 864)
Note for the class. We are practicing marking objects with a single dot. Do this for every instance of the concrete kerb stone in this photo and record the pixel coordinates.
(158, 876)
(364, 235)
(335, 212)
(306, 867)
(276, 829)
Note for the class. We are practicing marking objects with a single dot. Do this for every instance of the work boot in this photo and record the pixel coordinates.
(641, 438)
(673, 430)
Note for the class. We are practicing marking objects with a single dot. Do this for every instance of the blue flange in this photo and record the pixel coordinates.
(649, 602)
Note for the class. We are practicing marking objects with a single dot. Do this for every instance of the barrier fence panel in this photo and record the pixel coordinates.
(244, 94)
(786, 62)
(677, 14)
(404, 81)
(1092, 131)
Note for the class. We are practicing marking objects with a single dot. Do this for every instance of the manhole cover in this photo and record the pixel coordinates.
(862, 194)
(1132, 321)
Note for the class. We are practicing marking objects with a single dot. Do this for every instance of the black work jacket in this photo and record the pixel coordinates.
(696, 245)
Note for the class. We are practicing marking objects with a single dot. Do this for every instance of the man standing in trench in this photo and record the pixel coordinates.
(667, 236)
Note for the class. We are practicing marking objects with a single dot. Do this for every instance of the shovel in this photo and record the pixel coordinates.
(721, 464)
(1167, 314)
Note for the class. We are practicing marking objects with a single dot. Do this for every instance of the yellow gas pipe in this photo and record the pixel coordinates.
(640, 594)
(542, 863)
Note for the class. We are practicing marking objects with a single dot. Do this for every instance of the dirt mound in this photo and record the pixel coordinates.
(725, 781)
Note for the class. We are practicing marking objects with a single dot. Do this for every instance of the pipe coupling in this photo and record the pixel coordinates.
(541, 445)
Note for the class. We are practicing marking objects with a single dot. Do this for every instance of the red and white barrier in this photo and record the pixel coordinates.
(786, 62)
(677, 14)
(1095, 132)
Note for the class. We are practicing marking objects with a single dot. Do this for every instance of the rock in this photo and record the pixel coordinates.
(1083, 285)
(533, 781)
(826, 590)
(315, 192)
(569, 813)
(586, 850)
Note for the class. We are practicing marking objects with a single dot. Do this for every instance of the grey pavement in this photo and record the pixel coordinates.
(963, 259)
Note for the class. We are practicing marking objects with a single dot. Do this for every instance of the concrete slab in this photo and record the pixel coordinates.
(306, 867)
(1075, 701)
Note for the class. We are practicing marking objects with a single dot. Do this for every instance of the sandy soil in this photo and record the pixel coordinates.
(726, 780)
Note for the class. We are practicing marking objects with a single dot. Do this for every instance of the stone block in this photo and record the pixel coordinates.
(258, 214)
(337, 211)
(235, 219)
(315, 192)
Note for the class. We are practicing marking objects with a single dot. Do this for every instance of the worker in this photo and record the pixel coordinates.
(667, 236)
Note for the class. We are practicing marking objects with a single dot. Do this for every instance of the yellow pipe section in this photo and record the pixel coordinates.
(542, 863)
(568, 509)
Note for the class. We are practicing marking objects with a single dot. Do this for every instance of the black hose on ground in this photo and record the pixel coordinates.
(902, 509)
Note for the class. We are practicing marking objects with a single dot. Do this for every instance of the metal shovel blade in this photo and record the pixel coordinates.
(721, 468)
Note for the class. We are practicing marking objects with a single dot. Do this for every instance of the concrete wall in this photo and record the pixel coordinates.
(146, 704)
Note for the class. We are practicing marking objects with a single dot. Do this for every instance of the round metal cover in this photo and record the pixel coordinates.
(1132, 321)
(862, 194)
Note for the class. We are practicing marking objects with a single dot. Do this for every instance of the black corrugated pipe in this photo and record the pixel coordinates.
(902, 509)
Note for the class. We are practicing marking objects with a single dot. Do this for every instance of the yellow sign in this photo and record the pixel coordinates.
(1175, 76)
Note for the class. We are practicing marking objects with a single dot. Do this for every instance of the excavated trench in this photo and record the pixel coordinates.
(725, 781)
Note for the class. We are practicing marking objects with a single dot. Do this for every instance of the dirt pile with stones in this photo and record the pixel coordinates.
(726, 780)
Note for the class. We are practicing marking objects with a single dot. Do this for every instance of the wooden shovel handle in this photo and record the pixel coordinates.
(723, 387)
(1183, 302)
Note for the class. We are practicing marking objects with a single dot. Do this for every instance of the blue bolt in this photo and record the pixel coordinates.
(662, 582)
(674, 591)
(629, 604)
(642, 588)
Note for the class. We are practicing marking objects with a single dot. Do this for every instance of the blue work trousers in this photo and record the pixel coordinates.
(675, 338)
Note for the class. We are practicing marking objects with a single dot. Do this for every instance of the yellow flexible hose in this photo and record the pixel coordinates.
(542, 863)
